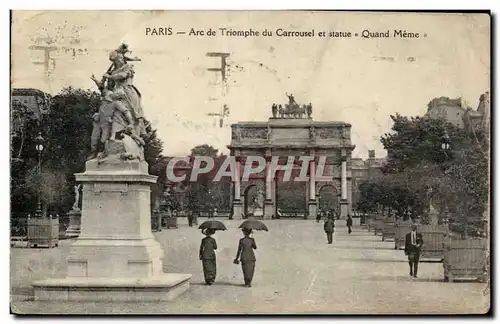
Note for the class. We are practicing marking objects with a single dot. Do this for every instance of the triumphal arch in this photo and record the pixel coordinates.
(288, 135)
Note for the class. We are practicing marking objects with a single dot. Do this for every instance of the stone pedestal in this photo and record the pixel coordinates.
(116, 257)
(312, 208)
(344, 209)
(268, 209)
(258, 213)
(75, 218)
(237, 209)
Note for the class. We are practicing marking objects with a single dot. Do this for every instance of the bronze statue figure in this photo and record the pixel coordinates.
(309, 110)
(293, 109)
(274, 109)
(281, 111)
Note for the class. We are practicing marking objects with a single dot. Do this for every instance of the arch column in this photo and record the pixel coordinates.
(237, 204)
(312, 205)
(344, 202)
(270, 201)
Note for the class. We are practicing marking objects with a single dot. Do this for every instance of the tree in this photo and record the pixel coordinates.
(24, 127)
(205, 194)
(67, 129)
(457, 178)
(415, 140)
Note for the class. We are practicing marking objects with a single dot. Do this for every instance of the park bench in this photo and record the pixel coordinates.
(370, 222)
(389, 229)
(402, 228)
(43, 232)
(434, 237)
(466, 259)
(18, 241)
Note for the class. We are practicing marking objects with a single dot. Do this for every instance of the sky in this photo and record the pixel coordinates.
(358, 80)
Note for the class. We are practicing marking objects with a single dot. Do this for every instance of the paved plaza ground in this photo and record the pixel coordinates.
(296, 272)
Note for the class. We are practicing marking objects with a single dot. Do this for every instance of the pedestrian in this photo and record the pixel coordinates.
(413, 244)
(318, 216)
(215, 213)
(190, 218)
(207, 256)
(349, 223)
(246, 255)
(329, 228)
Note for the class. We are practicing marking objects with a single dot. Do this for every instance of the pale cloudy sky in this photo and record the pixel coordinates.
(360, 81)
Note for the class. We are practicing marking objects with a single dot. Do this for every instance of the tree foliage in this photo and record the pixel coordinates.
(67, 129)
(419, 170)
(205, 194)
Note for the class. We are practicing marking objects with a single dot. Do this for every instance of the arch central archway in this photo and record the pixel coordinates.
(249, 195)
(328, 198)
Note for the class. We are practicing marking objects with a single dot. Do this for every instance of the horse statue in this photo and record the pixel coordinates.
(293, 109)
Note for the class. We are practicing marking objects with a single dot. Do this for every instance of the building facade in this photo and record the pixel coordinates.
(455, 112)
(27, 107)
(450, 110)
(363, 170)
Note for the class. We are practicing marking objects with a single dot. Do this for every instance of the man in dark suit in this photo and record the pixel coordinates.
(349, 223)
(328, 227)
(413, 244)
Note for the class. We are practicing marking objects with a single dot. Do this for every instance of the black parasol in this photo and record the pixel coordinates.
(213, 225)
(254, 224)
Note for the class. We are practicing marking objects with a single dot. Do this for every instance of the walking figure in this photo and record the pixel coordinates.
(318, 216)
(413, 244)
(247, 256)
(207, 256)
(349, 223)
(190, 218)
(329, 228)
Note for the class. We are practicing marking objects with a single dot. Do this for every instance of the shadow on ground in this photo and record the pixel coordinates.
(218, 283)
(374, 260)
(363, 247)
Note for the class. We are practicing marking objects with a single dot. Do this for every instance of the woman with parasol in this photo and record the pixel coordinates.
(207, 256)
(207, 249)
(245, 249)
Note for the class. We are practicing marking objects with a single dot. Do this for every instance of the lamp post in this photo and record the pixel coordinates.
(209, 203)
(445, 144)
(445, 147)
(39, 141)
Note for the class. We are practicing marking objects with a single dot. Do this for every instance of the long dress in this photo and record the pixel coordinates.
(208, 259)
(246, 255)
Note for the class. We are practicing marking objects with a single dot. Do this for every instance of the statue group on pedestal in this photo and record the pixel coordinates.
(292, 109)
(120, 117)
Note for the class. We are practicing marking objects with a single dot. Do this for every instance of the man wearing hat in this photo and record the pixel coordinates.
(413, 244)
(329, 227)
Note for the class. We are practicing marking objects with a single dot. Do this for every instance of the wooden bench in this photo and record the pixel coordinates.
(466, 259)
(389, 230)
(402, 228)
(369, 222)
(434, 237)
